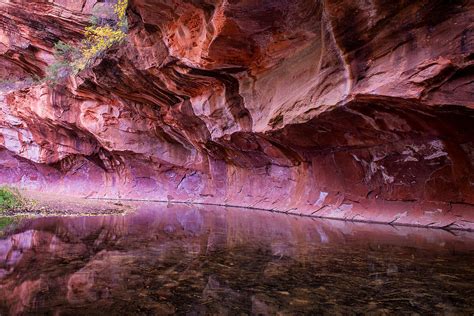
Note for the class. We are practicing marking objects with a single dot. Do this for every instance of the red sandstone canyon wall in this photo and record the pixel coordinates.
(361, 110)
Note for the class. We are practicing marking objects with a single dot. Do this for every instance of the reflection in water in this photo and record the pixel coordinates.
(199, 261)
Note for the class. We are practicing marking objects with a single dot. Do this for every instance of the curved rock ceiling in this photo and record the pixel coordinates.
(361, 110)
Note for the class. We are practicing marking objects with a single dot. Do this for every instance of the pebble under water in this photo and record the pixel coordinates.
(196, 260)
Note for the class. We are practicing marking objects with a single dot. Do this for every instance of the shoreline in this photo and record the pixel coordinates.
(445, 228)
(39, 204)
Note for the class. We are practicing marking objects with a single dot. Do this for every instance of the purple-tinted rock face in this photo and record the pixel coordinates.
(349, 109)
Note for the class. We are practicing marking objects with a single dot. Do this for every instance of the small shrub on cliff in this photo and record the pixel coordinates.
(103, 35)
(98, 40)
(107, 29)
(65, 51)
(9, 199)
(64, 55)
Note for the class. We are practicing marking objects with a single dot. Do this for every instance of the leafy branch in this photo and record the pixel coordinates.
(102, 34)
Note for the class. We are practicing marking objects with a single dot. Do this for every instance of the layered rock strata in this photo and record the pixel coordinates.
(361, 110)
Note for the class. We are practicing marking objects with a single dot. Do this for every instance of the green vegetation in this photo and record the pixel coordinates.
(5, 222)
(106, 30)
(9, 223)
(10, 199)
(64, 55)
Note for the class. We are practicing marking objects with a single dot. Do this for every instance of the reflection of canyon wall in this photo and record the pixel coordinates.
(348, 109)
(157, 254)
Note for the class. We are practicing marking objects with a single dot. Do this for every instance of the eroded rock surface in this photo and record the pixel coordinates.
(348, 109)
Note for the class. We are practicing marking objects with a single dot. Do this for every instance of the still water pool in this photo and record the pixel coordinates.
(194, 260)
